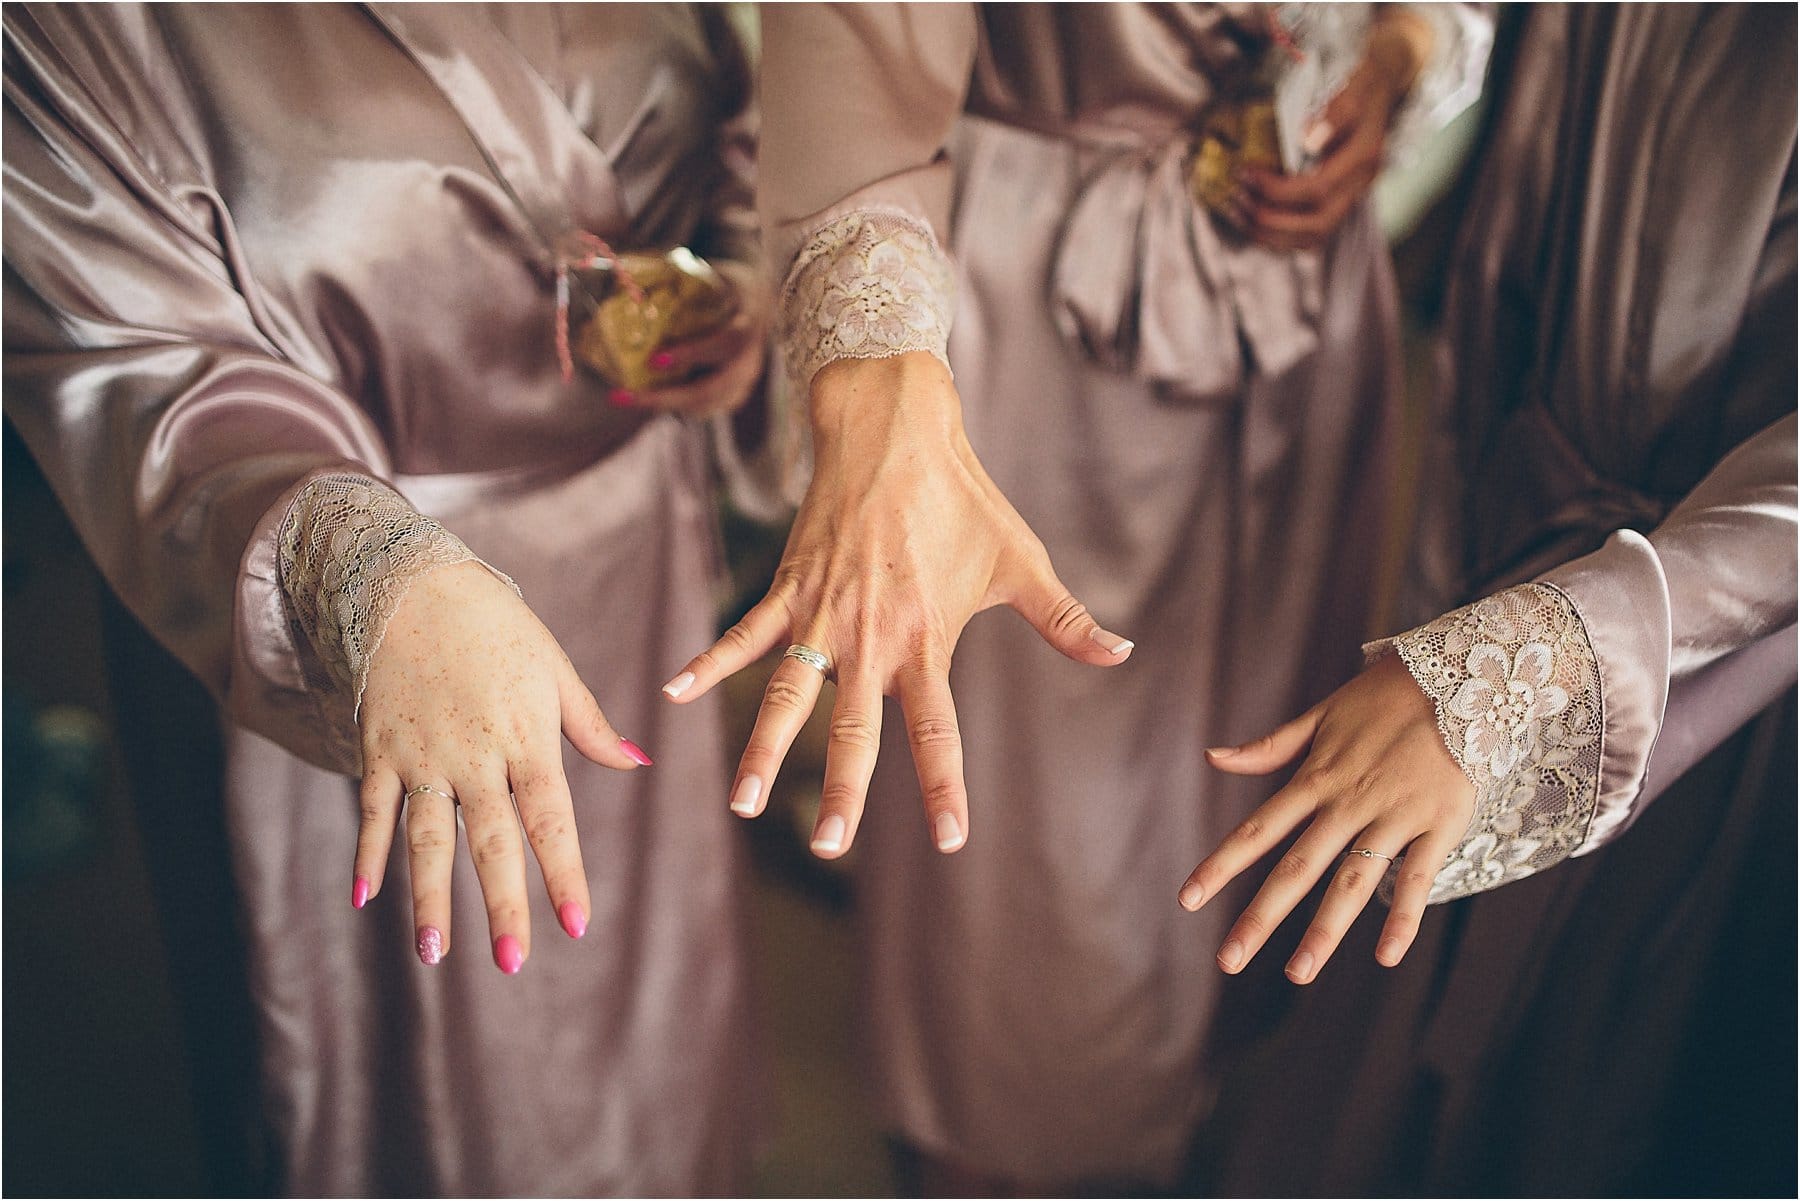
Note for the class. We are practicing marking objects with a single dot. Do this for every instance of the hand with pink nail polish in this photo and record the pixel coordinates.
(467, 702)
(1380, 789)
(1349, 142)
(902, 538)
(720, 370)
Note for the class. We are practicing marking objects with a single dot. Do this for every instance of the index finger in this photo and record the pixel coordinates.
(1254, 837)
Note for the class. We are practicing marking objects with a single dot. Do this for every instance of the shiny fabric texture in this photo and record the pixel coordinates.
(246, 245)
(1037, 1005)
(1619, 407)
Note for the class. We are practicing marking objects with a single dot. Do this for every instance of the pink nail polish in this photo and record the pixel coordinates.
(624, 398)
(431, 946)
(662, 360)
(359, 892)
(509, 956)
(635, 753)
(574, 921)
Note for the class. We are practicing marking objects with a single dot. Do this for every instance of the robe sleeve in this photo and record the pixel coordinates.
(229, 495)
(859, 102)
(1553, 695)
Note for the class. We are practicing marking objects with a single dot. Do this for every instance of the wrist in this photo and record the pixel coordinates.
(1400, 43)
(851, 397)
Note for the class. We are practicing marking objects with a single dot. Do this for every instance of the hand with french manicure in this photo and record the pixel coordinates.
(901, 539)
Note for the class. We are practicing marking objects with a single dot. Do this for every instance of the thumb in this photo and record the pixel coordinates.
(587, 729)
(1065, 623)
(1260, 756)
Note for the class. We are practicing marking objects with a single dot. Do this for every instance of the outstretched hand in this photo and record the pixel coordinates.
(1376, 778)
(901, 539)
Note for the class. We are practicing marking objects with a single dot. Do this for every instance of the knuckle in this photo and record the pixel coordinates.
(495, 846)
(1293, 866)
(839, 798)
(427, 838)
(1403, 920)
(933, 732)
(1319, 936)
(1250, 832)
(854, 730)
(1067, 615)
(943, 795)
(1252, 925)
(785, 696)
(546, 827)
(738, 636)
(375, 813)
(1351, 878)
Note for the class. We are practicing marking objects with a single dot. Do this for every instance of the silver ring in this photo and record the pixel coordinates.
(1368, 854)
(413, 792)
(812, 658)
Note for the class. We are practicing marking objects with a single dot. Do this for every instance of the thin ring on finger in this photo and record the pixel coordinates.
(1359, 873)
(418, 788)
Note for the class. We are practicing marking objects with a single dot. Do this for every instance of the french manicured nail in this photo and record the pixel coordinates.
(662, 360)
(509, 956)
(680, 684)
(1389, 951)
(1300, 967)
(574, 921)
(948, 833)
(1221, 752)
(1316, 137)
(635, 753)
(745, 796)
(830, 834)
(431, 946)
(624, 398)
(1111, 643)
(359, 892)
(1231, 955)
(1192, 896)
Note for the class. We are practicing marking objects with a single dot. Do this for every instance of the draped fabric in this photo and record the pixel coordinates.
(1618, 422)
(1200, 430)
(250, 246)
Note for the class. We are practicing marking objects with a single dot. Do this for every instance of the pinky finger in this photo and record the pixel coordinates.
(379, 799)
(754, 636)
(1411, 894)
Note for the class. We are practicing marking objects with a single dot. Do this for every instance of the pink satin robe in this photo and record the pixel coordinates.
(247, 244)
(1200, 432)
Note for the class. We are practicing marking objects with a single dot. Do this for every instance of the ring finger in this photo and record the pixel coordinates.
(431, 849)
(1364, 864)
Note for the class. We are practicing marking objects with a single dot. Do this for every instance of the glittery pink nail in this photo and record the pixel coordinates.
(431, 946)
(509, 956)
(662, 360)
(635, 753)
(574, 921)
(359, 892)
(623, 397)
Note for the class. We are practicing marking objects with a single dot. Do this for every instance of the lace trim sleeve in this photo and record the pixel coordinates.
(1516, 686)
(347, 550)
(869, 284)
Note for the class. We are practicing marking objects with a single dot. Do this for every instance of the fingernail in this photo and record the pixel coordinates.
(1300, 967)
(1192, 897)
(509, 956)
(745, 796)
(359, 892)
(662, 360)
(1221, 752)
(1389, 951)
(1316, 137)
(830, 834)
(1113, 644)
(574, 921)
(622, 397)
(635, 753)
(949, 833)
(431, 946)
(1231, 955)
(680, 684)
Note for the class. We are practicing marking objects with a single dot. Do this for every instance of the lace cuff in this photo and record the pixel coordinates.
(870, 284)
(348, 549)
(1516, 687)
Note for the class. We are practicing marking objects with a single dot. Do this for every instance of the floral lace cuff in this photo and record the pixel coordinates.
(347, 550)
(1516, 687)
(870, 284)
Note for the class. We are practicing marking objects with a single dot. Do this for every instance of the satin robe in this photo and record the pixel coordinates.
(1200, 432)
(1617, 418)
(247, 244)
